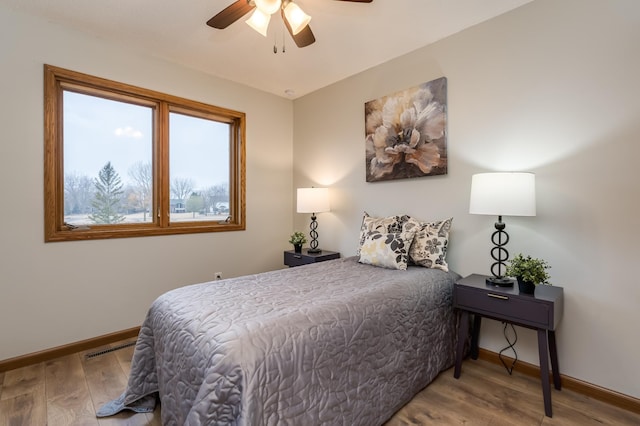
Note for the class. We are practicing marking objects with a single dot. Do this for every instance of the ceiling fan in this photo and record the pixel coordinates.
(296, 21)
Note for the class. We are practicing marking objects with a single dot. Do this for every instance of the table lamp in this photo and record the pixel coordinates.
(502, 194)
(313, 200)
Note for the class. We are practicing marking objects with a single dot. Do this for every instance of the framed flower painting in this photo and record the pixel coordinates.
(406, 133)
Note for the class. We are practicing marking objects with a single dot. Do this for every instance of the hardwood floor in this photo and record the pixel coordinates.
(486, 395)
(69, 390)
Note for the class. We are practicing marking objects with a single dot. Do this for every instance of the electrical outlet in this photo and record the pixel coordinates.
(218, 275)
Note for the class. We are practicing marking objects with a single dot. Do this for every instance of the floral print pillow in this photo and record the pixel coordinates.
(387, 250)
(429, 247)
(383, 225)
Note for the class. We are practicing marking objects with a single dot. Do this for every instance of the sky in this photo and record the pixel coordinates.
(98, 130)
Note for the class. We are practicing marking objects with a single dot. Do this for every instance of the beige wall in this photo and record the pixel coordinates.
(58, 293)
(551, 88)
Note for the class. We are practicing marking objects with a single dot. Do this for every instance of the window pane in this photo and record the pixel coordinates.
(107, 161)
(198, 168)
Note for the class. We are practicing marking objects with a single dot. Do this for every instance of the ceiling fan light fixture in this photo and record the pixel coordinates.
(268, 7)
(259, 21)
(295, 20)
(296, 17)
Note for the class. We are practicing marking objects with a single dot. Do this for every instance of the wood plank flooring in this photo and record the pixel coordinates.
(68, 391)
(486, 395)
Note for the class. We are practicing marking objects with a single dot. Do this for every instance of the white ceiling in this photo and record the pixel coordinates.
(350, 37)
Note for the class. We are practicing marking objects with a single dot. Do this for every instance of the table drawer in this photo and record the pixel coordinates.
(291, 258)
(508, 307)
(296, 259)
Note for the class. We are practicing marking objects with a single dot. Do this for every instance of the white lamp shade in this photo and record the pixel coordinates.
(296, 17)
(268, 7)
(313, 200)
(259, 21)
(503, 194)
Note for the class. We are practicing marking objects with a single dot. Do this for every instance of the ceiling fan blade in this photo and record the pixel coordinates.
(230, 14)
(304, 38)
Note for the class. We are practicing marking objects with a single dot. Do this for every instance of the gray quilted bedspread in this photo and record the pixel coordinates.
(332, 343)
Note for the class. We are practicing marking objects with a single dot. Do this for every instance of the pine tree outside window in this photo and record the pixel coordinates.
(107, 197)
(122, 161)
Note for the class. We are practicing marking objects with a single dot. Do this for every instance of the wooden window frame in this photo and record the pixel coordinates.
(57, 80)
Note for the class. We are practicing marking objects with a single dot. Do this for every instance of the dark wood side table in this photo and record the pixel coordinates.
(291, 258)
(541, 311)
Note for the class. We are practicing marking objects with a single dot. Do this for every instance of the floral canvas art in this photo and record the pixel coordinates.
(406, 133)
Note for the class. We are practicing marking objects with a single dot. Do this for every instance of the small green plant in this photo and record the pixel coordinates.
(297, 238)
(528, 269)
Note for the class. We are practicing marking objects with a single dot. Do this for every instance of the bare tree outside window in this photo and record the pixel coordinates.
(78, 193)
(181, 188)
(216, 197)
(141, 174)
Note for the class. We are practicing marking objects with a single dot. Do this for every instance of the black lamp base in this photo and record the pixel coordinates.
(500, 255)
(500, 281)
(313, 245)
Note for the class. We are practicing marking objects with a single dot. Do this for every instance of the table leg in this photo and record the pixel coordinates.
(544, 370)
(553, 352)
(475, 335)
(463, 330)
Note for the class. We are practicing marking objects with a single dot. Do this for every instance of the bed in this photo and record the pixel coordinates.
(337, 342)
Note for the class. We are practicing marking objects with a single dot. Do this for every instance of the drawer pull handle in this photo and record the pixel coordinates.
(497, 296)
(297, 256)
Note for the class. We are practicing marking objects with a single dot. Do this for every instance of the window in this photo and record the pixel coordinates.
(121, 161)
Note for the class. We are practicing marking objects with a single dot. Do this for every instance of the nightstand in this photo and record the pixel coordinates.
(541, 311)
(291, 258)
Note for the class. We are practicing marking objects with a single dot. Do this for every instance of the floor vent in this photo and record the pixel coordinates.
(106, 351)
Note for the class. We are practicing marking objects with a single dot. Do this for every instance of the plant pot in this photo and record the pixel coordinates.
(526, 287)
(297, 248)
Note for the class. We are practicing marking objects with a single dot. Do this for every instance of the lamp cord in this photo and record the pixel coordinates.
(511, 345)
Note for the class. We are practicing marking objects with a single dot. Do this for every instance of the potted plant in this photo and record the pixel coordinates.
(528, 271)
(297, 239)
